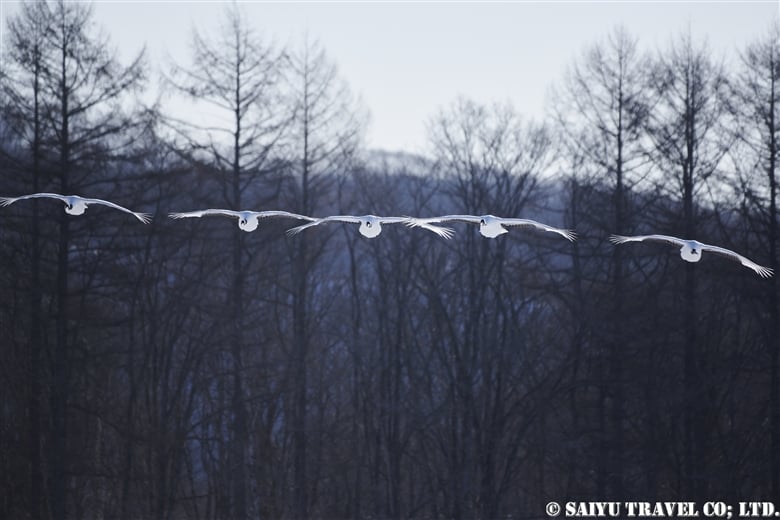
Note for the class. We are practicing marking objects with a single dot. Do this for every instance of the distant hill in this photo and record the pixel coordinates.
(397, 161)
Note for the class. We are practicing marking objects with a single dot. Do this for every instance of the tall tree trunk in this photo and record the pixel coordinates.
(573, 484)
(238, 448)
(61, 369)
(36, 343)
(129, 417)
(356, 314)
(300, 494)
(301, 341)
(774, 335)
(692, 440)
(618, 342)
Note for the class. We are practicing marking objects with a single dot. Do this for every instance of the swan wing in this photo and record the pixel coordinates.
(7, 201)
(522, 222)
(760, 270)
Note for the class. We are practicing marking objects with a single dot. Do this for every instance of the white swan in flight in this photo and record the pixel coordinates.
(370, 225)
(691, 250)
(75, 205)
(247, 220)
(490, 226)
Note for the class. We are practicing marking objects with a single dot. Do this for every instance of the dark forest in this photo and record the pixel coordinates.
(188, 369)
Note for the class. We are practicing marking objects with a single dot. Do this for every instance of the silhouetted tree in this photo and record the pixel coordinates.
(602, 112)
(237, 75)
(489, 162)
(685, 128)
(83, 87)
(22, 89)
(757, 105)
(323, 138)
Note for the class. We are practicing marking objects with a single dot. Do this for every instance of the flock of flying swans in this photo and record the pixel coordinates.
(370, 226)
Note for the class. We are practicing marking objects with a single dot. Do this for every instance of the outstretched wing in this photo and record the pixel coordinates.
(349, 219)
(392, 220)
(443, 232)
(298, 229)
(316, 222)
(282, 214)
(522, 222)
(7, 201)
(143, 217)
(763, 272)
(198, 214)
(466, 219)
(664, 239)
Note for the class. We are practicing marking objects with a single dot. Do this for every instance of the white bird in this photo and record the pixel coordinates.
(691, 250)
(75, 205)
(370, 225)
(490, 226)
(247, 220)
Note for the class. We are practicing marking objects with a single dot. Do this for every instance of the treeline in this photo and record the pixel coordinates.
(186, 369)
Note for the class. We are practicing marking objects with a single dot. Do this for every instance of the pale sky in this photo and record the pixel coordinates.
(407, 60)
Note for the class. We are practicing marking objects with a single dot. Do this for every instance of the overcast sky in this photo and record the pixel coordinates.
(407, 60)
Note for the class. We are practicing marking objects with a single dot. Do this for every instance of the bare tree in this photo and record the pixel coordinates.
(602, 111)
(688, 147)
(757, 104)
(489, 162)
(238, 74)
(84, 86)
(23, 91)
(323, 140)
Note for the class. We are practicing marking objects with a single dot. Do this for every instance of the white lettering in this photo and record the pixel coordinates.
(592, 509)
(661, 509)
